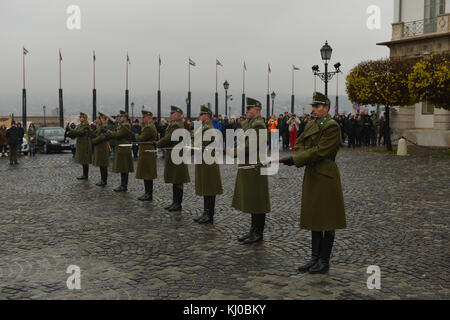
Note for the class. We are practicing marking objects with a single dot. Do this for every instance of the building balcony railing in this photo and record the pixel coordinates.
(418, 27)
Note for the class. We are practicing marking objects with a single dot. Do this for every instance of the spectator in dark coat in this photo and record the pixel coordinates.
(14, 139)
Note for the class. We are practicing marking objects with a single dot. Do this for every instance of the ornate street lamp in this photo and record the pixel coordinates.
(326, 76)
(273, 95)
(226, 85)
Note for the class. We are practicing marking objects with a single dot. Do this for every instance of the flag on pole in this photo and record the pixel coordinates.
(94, 55)
(270, 70)
(191, 62)
(159, 60)
(25, 51)
(295, 68)
(218, 63)
(60, 55)
(128, 59)
(245, 67)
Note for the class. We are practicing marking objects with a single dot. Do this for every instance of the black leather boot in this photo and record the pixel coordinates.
(209, 217)
(124, 183)
(205, 210)
(173, 198)
(316, 239)
(178, 199)
(245, 236)
(258, 230)
(326, 246)
(85, 172)
(104, 177)
(148, 196)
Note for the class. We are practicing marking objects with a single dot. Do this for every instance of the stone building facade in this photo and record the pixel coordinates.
(421, 27)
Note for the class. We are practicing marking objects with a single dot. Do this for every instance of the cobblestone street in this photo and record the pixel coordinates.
(397, 215)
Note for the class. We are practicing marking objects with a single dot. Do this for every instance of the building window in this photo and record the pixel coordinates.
(427, 108)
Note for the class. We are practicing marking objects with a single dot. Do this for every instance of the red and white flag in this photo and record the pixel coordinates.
(25, 51)
(191, 62)
(60, 55)
(128, 59)
(218, 63)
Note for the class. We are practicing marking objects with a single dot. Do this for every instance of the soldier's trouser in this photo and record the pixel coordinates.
(209, 202)
(12, 153)
(177, 190)
(104, 173)
(326, 245)
(124, 179)
(148, 185)
(258, 221)
(85, 170)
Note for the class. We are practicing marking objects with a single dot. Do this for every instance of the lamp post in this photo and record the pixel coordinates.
(326, 76)
(132, 111)
(226, 85)
(273, 95)
(45, 120)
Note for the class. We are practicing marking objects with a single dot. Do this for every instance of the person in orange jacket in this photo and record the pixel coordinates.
(272, 124)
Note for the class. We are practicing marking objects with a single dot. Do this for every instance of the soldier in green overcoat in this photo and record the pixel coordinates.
(146, 167)
(251, 192)
(82, 133)
(174, 174)
(102, 149)
(123, 160)
(316, 149)
(208, 182)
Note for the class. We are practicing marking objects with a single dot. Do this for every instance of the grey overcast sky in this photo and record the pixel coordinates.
(282, 33)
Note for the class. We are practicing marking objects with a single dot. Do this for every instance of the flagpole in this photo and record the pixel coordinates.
(188, 111)
(127, 71)
(268, 96)
(23, 66)
(216, 97)
(94, 69)
(126, 90)
(243, 90)
(159, 73)
(94, 93)
(159, 88)
(61, 110)
(24, 92)
(60, 82)
(293, 94)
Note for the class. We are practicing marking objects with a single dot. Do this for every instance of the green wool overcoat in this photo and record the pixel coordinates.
(251, 191)
(101, 148)
(175, 174)
(207, 176)
(322, 206)
(123, 159)
(83, 146)
(146, 167)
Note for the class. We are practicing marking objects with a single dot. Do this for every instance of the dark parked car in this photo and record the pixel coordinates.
(51, 139)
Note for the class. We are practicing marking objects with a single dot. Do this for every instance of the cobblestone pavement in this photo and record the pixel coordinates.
(397, 214)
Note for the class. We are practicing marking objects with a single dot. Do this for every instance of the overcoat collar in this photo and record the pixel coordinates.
(316, 127)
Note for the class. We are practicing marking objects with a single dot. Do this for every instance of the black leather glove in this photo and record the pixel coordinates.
(155, 144)
(103, 130)
(288, 161)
